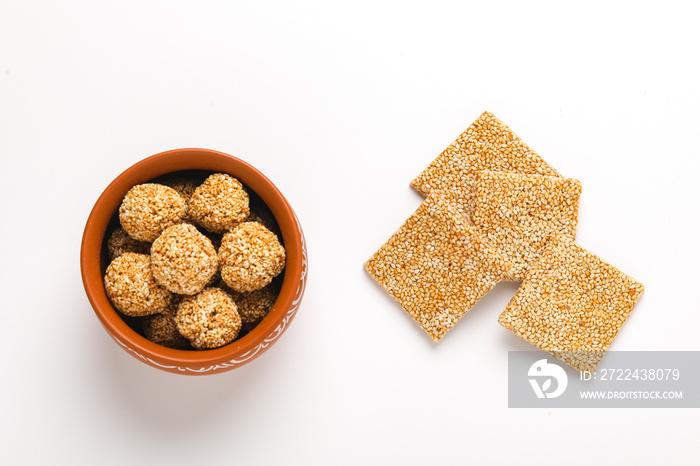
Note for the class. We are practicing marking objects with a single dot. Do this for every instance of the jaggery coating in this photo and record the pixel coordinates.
(148, 209)
(219, 203)
(183, 259)
(131, 287)
(209, 319)
(120, 242)
(250, 257)
(162, 329)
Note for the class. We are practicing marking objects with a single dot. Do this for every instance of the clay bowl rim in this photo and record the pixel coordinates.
(150, 168)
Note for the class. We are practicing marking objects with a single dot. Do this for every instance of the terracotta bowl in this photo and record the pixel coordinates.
(94, 261)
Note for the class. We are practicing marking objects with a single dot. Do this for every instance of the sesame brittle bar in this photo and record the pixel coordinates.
(518, 214)
(436, 266)
(571, 304)
(487, 144)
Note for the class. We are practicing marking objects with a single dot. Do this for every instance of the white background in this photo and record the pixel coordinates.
(341, 105)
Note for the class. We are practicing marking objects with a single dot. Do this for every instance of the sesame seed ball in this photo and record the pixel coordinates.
(183, 259)
(131, 287)
(162, 328)
(120, 242)
(209, 319)
(150, 208)
(250, 256)
(253, 306)
(219, 203)
(185, 187)
(265, 219)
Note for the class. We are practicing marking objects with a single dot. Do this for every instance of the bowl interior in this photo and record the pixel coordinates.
(104, 219)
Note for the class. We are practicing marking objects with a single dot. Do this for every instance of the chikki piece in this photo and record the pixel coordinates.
(436, 266)
(572, 304)
(487, 144)
(518, 214)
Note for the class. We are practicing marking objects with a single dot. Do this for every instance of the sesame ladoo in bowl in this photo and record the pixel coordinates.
(131, 331)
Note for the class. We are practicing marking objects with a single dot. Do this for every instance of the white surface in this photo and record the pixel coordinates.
(341, 106)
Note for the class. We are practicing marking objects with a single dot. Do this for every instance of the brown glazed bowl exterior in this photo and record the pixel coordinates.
(93, 262)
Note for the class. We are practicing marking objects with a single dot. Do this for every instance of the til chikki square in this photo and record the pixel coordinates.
(436, 266)
(572, 304)
(487, 144)
(518, 214)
